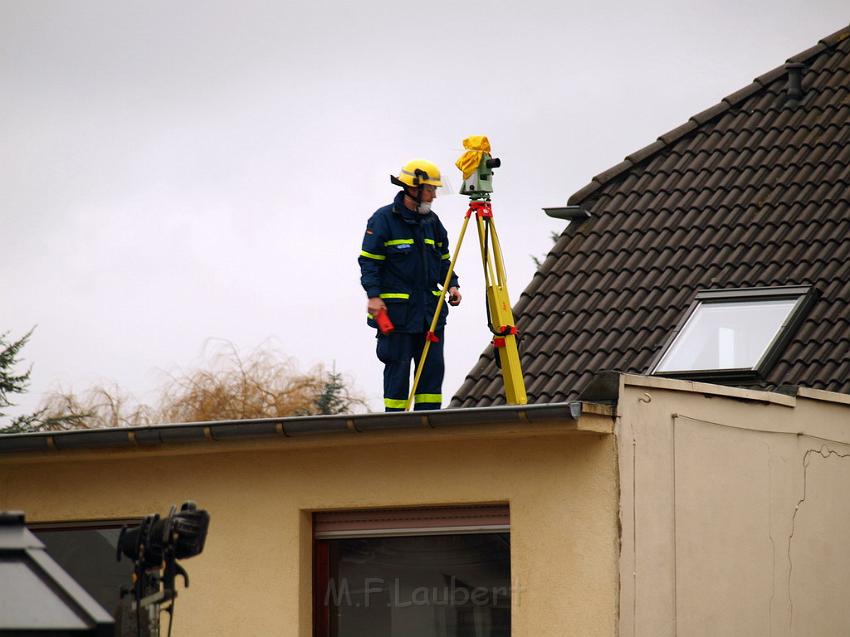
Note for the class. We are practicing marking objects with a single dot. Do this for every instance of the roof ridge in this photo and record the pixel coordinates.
(667, 139)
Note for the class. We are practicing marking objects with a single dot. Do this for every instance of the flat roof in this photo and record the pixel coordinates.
(294, 427)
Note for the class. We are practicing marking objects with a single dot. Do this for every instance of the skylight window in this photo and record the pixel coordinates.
(733, 333)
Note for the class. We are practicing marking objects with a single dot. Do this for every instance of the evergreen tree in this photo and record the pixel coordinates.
(333, 397)
(12, 383)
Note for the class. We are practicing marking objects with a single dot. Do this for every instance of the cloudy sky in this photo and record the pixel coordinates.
(175, 172)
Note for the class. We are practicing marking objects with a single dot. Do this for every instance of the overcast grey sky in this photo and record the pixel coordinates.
(178, 171)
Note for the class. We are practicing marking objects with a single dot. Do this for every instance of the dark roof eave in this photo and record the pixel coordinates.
(289, 427)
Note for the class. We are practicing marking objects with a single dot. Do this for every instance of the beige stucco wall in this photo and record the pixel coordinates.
(735, 511)
(254, 577)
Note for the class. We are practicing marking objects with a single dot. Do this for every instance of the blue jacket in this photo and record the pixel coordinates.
(404, 260)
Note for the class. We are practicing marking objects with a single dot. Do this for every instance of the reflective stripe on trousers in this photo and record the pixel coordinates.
(400, 354)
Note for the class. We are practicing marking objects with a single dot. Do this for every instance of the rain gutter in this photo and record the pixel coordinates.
(289, 427)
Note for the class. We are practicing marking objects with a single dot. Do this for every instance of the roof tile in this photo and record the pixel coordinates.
(645, 152)
(771, 76)
(710, 113)
(677, 133)
(733, 99)
(580, 195)
(808, 53)
(613, 172)
(836, 38)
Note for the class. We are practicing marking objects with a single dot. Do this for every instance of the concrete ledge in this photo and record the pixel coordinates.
(708, 389)
(826, 396)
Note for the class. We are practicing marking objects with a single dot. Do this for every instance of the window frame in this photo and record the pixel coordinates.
(83, 525)
(805, 296)
(110, 524)
(374, 527)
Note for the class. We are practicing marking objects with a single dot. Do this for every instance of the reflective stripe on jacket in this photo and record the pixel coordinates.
(404, 260)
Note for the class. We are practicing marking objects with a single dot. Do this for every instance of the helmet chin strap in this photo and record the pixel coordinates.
(417, 184)
(417, 198)
(420, 174)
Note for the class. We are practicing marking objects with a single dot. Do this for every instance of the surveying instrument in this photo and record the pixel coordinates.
(154, 546)
(477, 166)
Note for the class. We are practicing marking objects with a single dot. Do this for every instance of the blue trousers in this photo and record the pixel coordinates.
(397, 351)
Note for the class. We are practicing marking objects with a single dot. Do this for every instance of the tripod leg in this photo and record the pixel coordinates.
(429, 390)
(501, 315)
(436, 317)
(497, 257)
(486, 257)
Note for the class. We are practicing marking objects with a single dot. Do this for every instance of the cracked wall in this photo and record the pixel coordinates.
(818, 548)
(734, 511)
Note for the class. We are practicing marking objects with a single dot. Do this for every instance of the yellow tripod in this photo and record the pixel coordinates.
(499, 315)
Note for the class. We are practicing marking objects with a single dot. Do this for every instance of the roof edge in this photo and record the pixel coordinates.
(703, 117)
(147, 437)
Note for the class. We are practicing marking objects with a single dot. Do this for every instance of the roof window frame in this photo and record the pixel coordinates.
(805, 296)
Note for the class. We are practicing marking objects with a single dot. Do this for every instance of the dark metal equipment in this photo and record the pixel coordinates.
(154, 546)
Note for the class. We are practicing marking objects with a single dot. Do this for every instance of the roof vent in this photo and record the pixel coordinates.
(795, 81)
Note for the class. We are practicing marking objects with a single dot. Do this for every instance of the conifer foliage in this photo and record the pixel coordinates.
(12, 382)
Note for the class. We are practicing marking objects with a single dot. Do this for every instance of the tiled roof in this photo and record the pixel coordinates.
(754, 191)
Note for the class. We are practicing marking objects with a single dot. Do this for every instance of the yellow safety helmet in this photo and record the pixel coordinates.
(417, 172)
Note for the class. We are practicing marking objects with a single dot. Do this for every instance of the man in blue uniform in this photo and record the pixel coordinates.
(403, 264)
